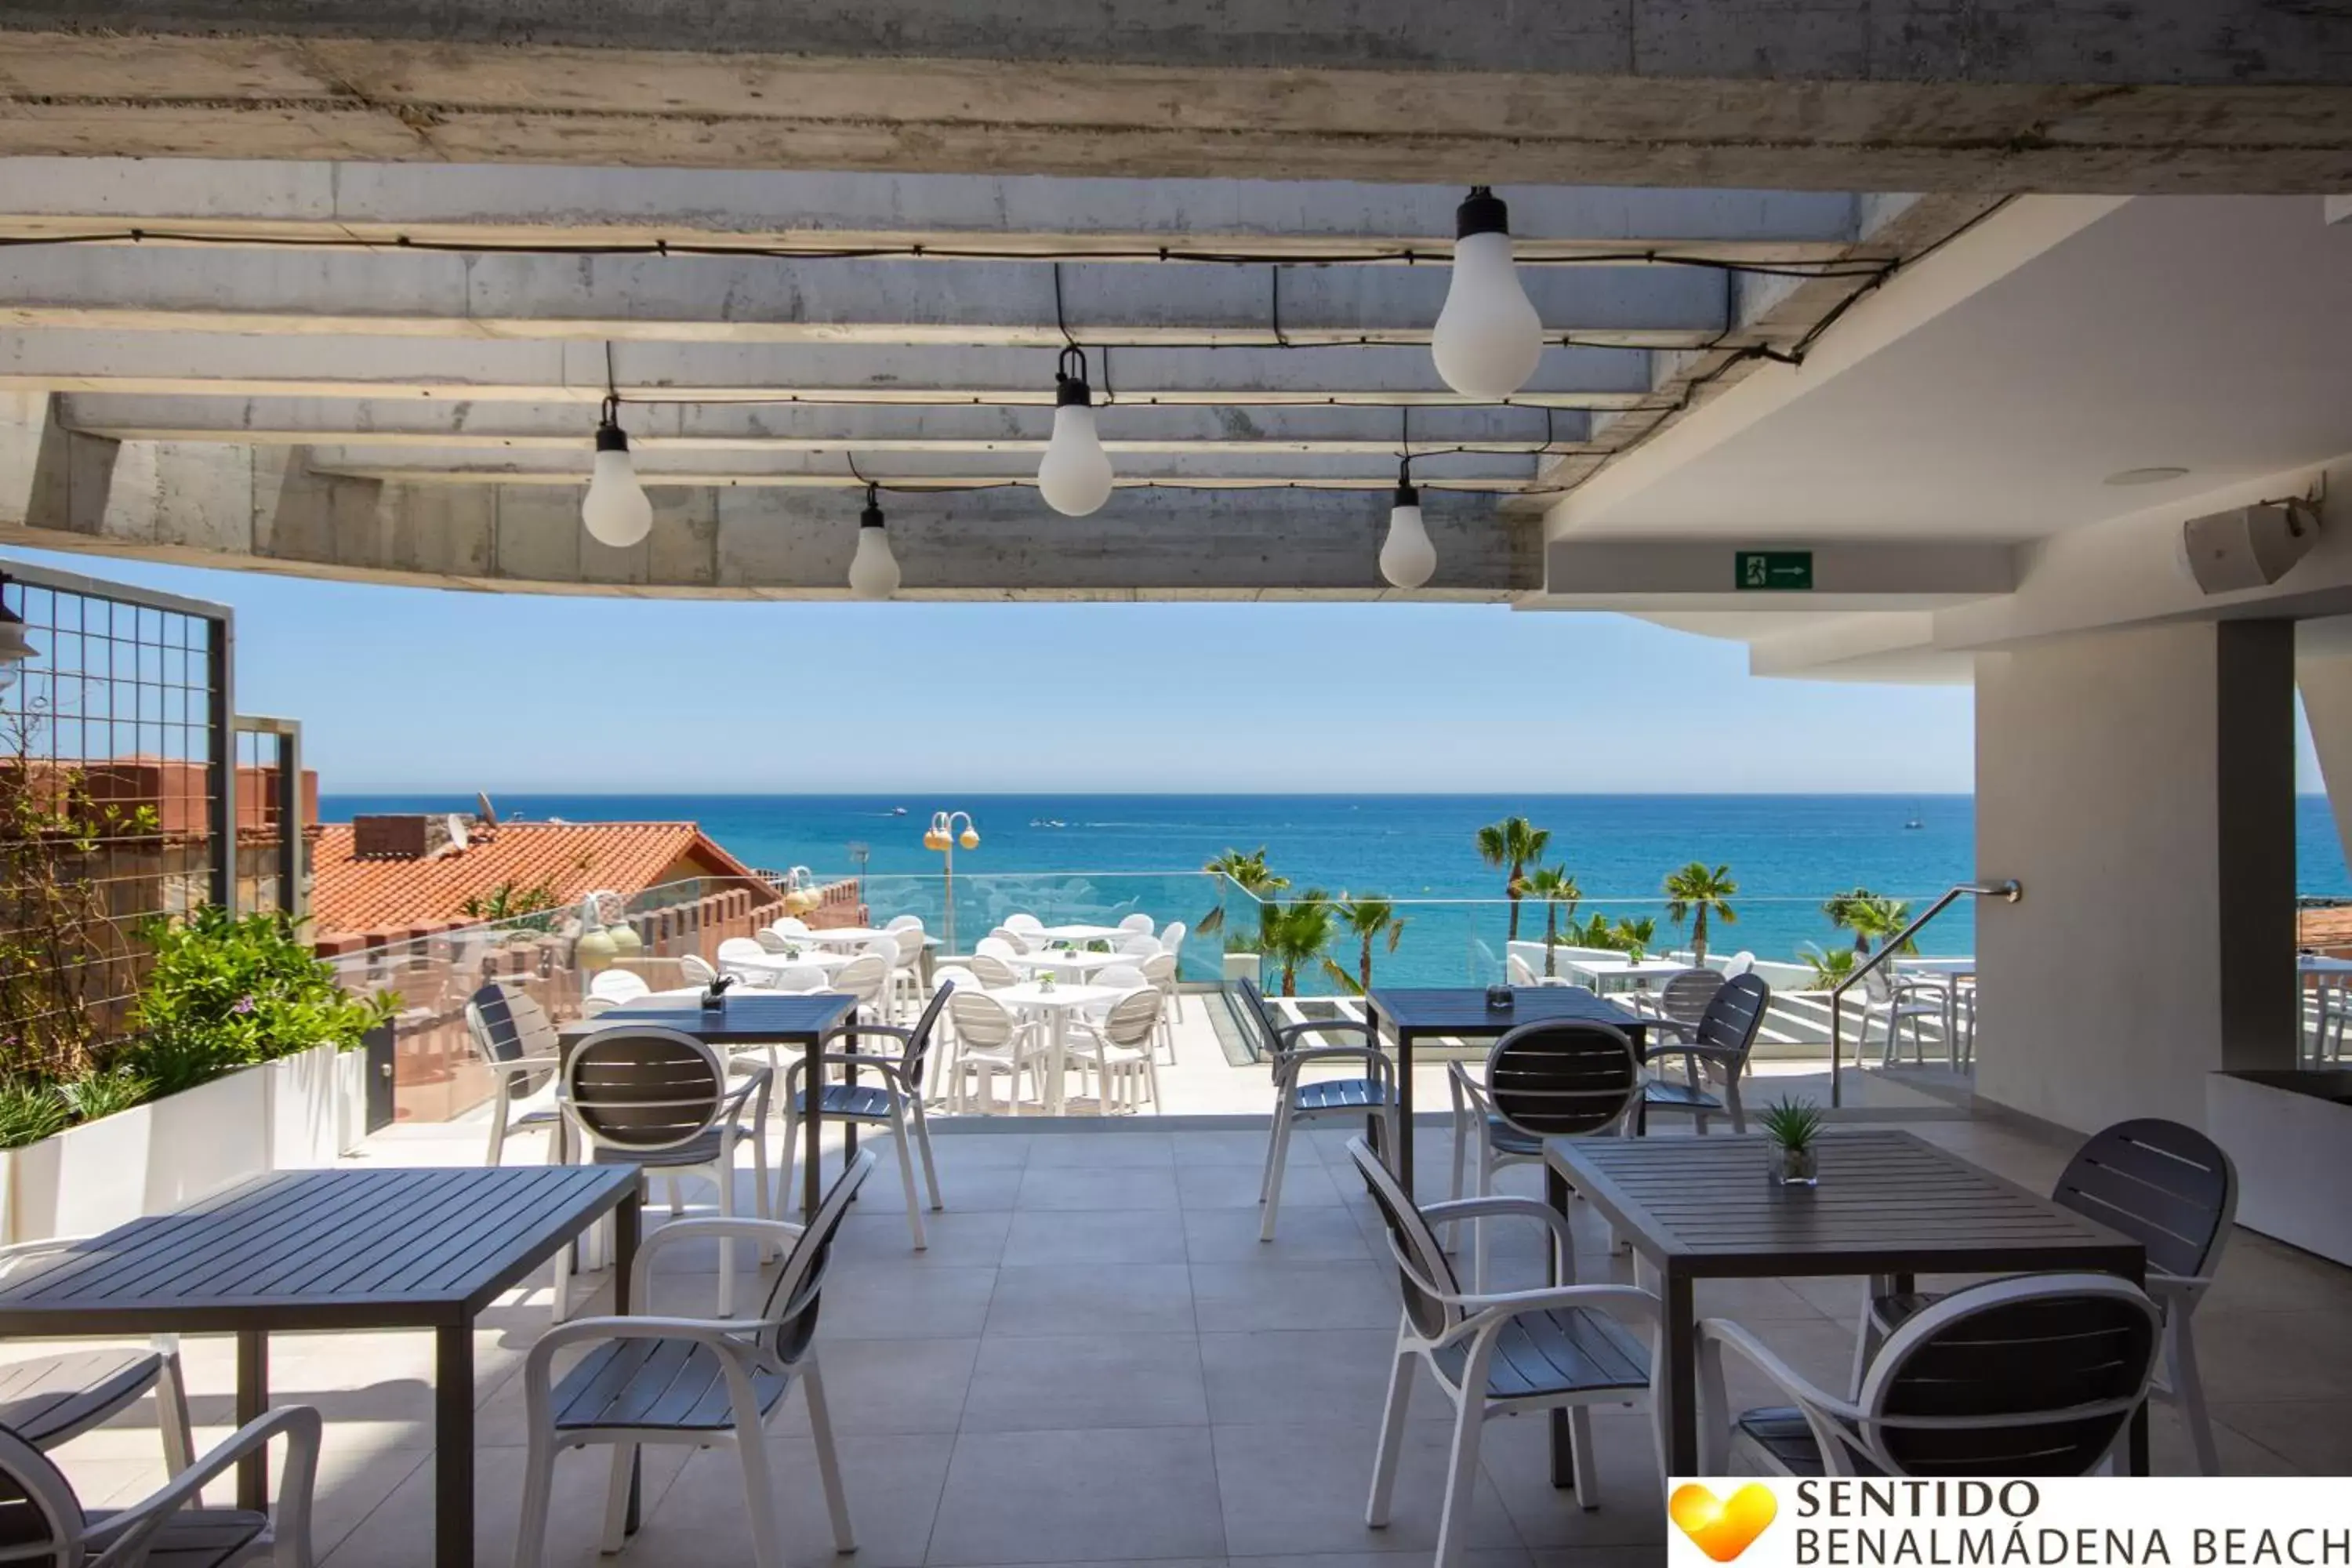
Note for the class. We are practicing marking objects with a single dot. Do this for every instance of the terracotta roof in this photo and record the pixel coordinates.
(571, 858)
(2325, 928)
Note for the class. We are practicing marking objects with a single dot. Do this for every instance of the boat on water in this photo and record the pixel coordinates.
(1913, 820)
(898, 811)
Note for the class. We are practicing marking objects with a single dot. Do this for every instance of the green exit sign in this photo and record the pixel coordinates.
(1775, 571)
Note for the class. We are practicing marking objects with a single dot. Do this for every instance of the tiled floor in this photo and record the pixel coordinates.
(1095, 1360)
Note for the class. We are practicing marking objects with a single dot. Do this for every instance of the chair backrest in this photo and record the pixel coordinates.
(863, 976)
(771, 941)
(2033, 1375)
(2169, 1187)
(917, 1054)
(1159, 968)
(982, 1022)
(1120, 976)
(947, 977)
(790, 927)
(1878, 985)
(993, 971)
(641, 1089)
(789, 1318)
(885, 948)
(1133, 1017)
(1171, 939)
(508, 1024)
(1517, 969)
(1683, 997)
(1137, 923)
(996, 947)
(904, 922)
(1023, 922)
(693, 971)
(795, 977)
(1564, 1079)
(41, 1520)
(1422, 1266)
(618, 985)
(1257, 1014)
(1735, 1016)
(1141, 944)
(1741, 963)
(741, 949)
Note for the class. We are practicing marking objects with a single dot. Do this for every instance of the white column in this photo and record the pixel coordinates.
(2140, 784)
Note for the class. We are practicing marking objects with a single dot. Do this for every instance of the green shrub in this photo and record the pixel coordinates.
(29, 1113)
(227, 991)
(104, 1093)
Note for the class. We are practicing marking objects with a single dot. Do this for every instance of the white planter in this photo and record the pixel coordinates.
(305, 1110)
(2290, 1135)
(350, 1076)
(148, 1160)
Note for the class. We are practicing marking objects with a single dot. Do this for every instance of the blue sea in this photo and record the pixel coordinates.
(1786, 852)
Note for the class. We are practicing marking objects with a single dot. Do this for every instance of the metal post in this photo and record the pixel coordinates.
(222, 736)
(2008, 892)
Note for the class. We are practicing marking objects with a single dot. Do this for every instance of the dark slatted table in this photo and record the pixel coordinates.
(1889, 1203)
(417, 1248)
(1461, 1012)
(798, 1019)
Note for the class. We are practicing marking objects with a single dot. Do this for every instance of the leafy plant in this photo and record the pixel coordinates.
(1557, 889)
(506, 902)
(1880, 919)
(1367, 920)
(1296, 934)
(1634, 935)
(29, 1113)
(1513, 843)
(1247, 871)
(1694, 892)
(1830, 966)
(1790, 1123)
(1838, 909)
(104, 1093)
(227, 991)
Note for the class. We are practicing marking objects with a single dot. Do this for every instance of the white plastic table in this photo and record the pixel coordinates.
(1066, 962)
(850, 936)
(772, 963)
(1056, 1005)
(1079, 934)
(1600, 970)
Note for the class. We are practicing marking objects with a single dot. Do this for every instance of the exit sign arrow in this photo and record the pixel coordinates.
(1774, 571)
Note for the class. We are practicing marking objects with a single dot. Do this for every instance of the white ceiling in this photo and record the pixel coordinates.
(2210, 333)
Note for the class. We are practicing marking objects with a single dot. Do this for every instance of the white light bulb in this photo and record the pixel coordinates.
(873, 570)
(1489, 337)
(615, 510)
(1075, 478)
(1407, 557)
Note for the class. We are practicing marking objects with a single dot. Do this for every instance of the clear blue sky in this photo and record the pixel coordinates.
(408, 689)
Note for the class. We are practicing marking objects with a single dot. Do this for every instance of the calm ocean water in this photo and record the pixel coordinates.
(1787, 852)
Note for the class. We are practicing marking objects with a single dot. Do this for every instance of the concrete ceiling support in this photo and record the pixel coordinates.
(51, 477)
(2170, 95)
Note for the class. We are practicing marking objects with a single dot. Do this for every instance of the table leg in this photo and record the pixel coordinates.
(1678, 1378)
(2136, 1442)
(1057, 1061)
(849, 1076)
(252, 1402)
(1563, 1436)
(1405, 1104)
(453, 1445)
(812, 1127)
(627, 1221)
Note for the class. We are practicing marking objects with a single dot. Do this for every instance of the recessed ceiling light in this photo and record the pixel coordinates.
(2146, 476)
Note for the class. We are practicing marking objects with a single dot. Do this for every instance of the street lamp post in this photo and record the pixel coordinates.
(943, 836)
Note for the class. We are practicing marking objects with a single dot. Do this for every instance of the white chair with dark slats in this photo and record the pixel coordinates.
(888, 1094)
(47, 1526)
(1680, 998)
(518, 1041)
(1519, 1353)
(663, 1101)
(699, 1382)
(53, 1399)
(2038, 1374)
(1558, 1080)
(1712, 1047)
(1297, 1098)
(2171, 1189)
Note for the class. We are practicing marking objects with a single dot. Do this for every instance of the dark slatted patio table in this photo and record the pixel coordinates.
(748, 1019)
(1461, 1013)
(415, 1249)
(1889, 1203)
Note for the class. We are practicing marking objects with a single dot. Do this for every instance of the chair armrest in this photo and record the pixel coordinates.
(897, 1032)
(733, 1227)
(888, 1067)
(1285, 1033)
(124, 1536)
(1825, 1413)
(1469, 1095)
(1499, 1206)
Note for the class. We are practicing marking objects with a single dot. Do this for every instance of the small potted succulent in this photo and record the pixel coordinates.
(1793, 1133)
(714, 995)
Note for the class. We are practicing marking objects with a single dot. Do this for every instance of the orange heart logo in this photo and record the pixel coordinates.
(1722, 1527)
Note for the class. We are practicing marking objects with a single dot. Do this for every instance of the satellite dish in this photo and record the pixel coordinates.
(457, 836)
(489, 818)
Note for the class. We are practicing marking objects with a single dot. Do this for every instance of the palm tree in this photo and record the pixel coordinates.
(1365, 919)
(1881, 918)
(1838, 907)
(1248, 872)
(1694, 892)
(1829, 965)
(1634, 935)
(1296, 934)
(1596, 931)
(1512, 842)
(1555, 887)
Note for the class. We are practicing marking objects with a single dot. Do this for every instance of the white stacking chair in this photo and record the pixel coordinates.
(1028, 928)
(694, 971)
(771, 940)
(51, 1400)
(1160, 970)
(791, 928)
(992, 971)
(888, 1093)
(907, 976)
(993, 946)
(1298, 1098)
(1896, 1002)
(742, 950)
(1140, 944)
(1119, 1047)
(1137, 923)
(947, 977)
(1516, 970)
(1740, 964)
(868, 978)
(691, 1381)
(992, 1042)
(1171, 940)
(1519, 1353)
(613, 988)
(798, 977)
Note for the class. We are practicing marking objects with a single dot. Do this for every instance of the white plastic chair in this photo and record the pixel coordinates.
(1897, 1001)
(737, 949)
(798, 977)
(868, 978)
(615, 988)
(1160, 970)
(1001, 947)
(634, 1387)
(1517, 969)
(991, 1041)
(693, 971)
(771, 940)
(1172, 937)
(1740, 964)
(1140, 944)
(791, 928)
(1118, 1046)
(1137, 922)
(992, 971)
(888, 1093)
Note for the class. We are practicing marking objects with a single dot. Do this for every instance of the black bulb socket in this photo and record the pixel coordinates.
(610, 437)
(1481, 212)
(1406, 494)
(871, 517)
(1072, 392)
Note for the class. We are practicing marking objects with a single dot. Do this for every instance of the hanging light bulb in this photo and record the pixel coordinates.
(1489, 337)
(615, 510)
(15, 648)
(872, 571)
(1075, 478)
(1407, 557)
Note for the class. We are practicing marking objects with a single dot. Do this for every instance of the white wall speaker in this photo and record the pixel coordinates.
(2247, 547)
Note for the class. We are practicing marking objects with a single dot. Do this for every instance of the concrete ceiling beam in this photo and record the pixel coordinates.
(2159, 95)
(313, 203)
(761, 428)
(1845, 575)
(231, 366)
(762, 300)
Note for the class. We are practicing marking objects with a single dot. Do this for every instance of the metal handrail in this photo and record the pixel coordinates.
(2008, 892)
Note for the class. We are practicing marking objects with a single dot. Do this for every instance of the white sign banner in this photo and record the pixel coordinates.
(2218, 1523)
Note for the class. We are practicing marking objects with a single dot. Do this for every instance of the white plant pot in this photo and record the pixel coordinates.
(351, 1076)
(305, 1110)
(148, 1160)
